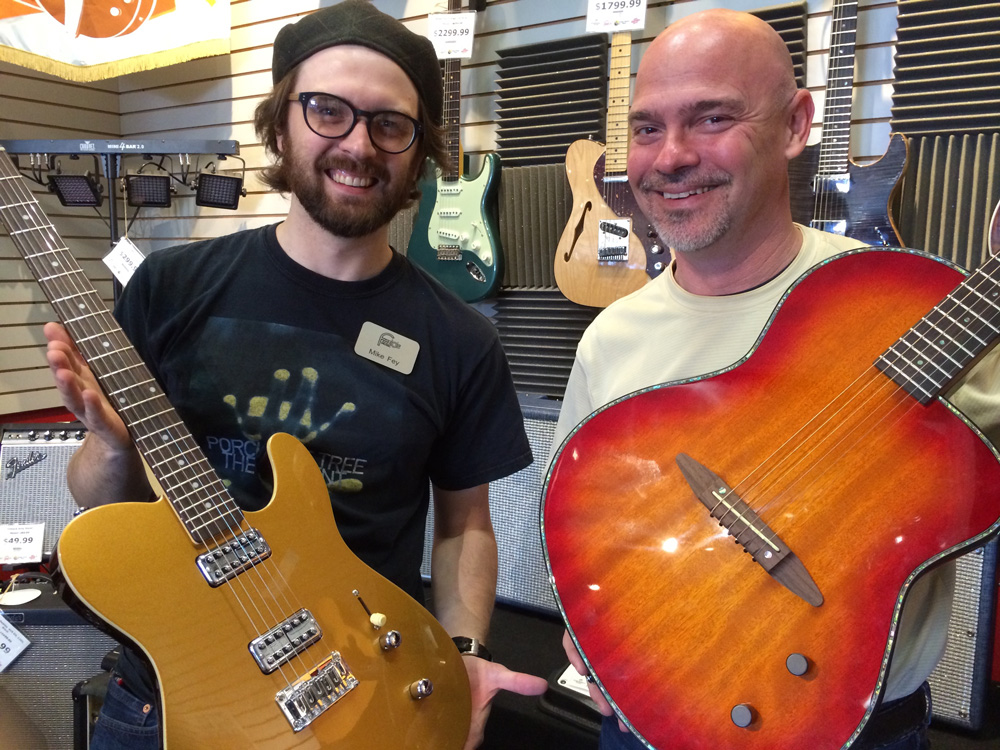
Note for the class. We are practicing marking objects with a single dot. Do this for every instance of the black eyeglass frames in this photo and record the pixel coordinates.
(330, 116)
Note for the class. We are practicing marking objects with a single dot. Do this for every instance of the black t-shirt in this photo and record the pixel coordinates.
(246, 343)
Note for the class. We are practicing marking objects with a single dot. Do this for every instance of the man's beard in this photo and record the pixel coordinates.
(347, 217)
(686, 230)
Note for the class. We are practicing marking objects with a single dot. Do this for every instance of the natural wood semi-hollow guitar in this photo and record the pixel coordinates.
(263, 629)
(731, 553)
(608, 248)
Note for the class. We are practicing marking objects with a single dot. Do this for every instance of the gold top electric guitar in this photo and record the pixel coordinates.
(262, 628)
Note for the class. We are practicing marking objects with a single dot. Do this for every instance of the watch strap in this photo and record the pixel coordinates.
(472, 647)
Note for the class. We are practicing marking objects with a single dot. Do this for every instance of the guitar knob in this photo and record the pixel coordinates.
(658, 266)
(390, 640)
(797, 664)
(421, 689)
(742, 715)
(656, 249)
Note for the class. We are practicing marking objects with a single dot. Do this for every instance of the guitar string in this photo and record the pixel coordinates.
(907, 400)
(27, 228)
(23, 200)
(833, 155)
(969, 288)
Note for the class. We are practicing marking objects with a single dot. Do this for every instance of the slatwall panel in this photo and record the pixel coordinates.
(947, 67)
(32, 106)
(550, 95)
(213, 99)
(949, 191)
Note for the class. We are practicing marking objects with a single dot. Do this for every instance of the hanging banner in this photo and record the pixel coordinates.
(89, 40)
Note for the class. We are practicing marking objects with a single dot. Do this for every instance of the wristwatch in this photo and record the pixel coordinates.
(473, 647)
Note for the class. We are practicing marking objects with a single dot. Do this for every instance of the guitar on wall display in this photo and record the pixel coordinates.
(263, 629)
(456, 234)
(608, 248)
(828, 190)
(743, 590)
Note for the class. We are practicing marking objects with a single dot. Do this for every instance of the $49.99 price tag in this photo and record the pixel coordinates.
(21, 543)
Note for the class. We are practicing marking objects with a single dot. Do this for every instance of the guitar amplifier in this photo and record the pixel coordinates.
(960, 683)
(36, 690)
(33, 489)
(515, 507)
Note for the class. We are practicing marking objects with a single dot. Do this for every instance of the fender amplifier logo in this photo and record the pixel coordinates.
(16, 465)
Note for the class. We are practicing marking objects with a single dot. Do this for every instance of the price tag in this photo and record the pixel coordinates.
(123, 259)
(12, 642)
(615, 15)
(21, 543)
(452, 33)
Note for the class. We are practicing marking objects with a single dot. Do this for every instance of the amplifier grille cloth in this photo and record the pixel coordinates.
(960, 682)
(515, 507)
(37, 493)
(38, 687)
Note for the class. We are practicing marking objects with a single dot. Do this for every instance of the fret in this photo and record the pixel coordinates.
(88, 293)
(122, 374)
(949, 338)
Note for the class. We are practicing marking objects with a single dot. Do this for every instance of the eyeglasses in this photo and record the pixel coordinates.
(330, 116)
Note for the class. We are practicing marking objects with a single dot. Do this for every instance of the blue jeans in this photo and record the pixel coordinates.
(125, 722)
(914, 738)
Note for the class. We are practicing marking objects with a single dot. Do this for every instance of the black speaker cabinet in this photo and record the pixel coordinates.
(515, 504)
(33, 459)
(36, 690)
(960, 683)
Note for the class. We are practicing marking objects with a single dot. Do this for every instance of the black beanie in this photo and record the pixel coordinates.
(359, 22)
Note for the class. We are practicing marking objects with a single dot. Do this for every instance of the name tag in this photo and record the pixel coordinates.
(389, 349)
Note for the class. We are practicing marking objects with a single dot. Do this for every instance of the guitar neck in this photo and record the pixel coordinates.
(197, 495)
(834, 152)
(939, 349)
(616, 126)
(451, 115)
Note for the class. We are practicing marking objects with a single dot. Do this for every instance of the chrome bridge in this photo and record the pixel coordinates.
(315, 692)
(228, 560)
(285, 641)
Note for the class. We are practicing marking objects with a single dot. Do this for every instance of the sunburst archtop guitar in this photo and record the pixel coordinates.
(731, 553)
(263, 629)
(608, 248)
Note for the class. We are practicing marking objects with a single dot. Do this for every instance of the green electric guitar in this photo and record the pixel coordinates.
(456, 235)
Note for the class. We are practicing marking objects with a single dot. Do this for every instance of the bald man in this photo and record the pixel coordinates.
(715, 118)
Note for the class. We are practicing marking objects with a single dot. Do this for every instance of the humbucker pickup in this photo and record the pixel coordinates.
(230, 559)
(285, 640)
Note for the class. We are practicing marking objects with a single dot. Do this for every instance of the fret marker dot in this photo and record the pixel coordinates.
(195, 485)
(106, 344)
(181, 462)
(121, 400)
(164, 437)
(920, 362)
(207, 505)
